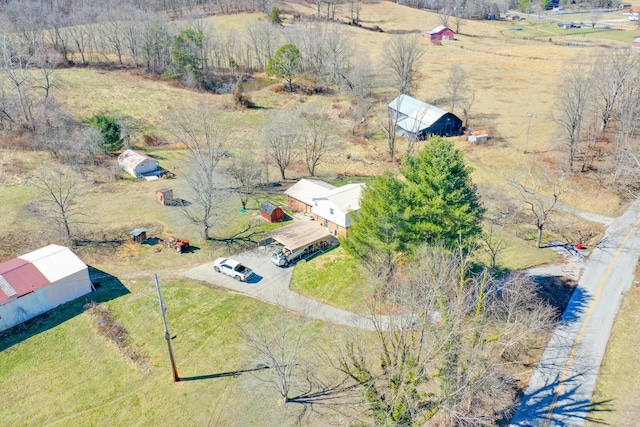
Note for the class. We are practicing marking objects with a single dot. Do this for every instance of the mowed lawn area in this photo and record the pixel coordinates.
(66, 373)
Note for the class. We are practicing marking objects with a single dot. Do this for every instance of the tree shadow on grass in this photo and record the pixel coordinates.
(107, 288)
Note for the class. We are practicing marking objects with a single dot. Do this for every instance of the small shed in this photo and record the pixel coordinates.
(138, 164)
(441, 33)
(271, 212)
(636, 43)
(164, 196)
(139, 235)
(478, 137)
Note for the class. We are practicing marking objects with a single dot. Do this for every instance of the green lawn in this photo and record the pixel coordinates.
(333, 278)
(62, 372)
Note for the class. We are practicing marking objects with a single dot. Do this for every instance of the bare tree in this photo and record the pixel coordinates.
(280, 137)
(493, 245)
(595, 17)
(16, 67)
(532, 190)
(444, 14)
(60, 200)
(279, 343)
(402, 55)
(465, 105)
(203, 133)
(456, 86)
(245, 171)
(574, 95)
(389, 125)
(612, 79)
(265, 40)
(316, 138)
(449, 331)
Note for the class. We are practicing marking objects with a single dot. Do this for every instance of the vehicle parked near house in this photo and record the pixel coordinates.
(232, 268)
(286, 255)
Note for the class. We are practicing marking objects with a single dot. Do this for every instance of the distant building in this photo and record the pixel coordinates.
(164, 196)
(441, 33)
(137, 164)
(39, 281)
(478, 137)
(636, 43)
(418, 120)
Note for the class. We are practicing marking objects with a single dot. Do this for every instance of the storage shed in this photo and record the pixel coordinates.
(164, 196)
(138, 164)
(39, 281)
(440, 33)
(417, 120)
(271, 212)
(636, 43)
(139, 235)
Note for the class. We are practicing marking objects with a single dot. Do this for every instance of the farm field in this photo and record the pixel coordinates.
(63, 372)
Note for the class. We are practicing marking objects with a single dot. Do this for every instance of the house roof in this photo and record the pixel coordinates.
(480, 133)
(132, 158)
(637, 40)
(420, 115)
(25, 274)
(299, 234)
(306, 190)
(439, 29)
(345, 198)
(138, 231)
(268, 207)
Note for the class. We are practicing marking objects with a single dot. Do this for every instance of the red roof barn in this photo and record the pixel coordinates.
(271, 212)
(636, 43)
(441, 33)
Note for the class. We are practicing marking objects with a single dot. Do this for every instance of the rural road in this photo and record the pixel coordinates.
(560, 390)
(271, 284)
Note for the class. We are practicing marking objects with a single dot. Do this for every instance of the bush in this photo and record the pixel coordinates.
(275, 16)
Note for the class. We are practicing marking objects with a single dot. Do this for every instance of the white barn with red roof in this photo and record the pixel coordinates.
(39, 281)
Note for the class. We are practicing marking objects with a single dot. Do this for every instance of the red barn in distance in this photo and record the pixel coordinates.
(440, 33)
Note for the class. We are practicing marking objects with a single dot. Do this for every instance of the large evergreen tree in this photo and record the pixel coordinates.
(379, 229)
(284, 64)
(444, 203)
(434, 202)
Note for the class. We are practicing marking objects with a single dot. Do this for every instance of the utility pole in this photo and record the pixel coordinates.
(531, 116)
(167, 336)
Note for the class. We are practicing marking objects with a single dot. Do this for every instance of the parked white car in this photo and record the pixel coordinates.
(232, 268)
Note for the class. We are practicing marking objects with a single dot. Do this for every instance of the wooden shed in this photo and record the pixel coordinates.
(271, 212)
(139, 235)
(164, 196)
(440, 33)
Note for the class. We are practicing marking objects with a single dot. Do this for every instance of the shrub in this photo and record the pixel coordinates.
(110, 129)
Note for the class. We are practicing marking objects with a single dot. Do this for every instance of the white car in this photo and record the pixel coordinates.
(232, 268)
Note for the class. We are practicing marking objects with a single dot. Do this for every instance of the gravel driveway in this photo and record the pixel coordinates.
(271, 284)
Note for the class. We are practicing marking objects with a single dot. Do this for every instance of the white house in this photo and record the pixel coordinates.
(137, 164)
(333, 210)
(38, 282)
(300, 195)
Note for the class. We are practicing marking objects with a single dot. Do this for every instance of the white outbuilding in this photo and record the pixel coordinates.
(39, 281)
(138, 164)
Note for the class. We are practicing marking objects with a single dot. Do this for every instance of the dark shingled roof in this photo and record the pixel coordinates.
(268, 207)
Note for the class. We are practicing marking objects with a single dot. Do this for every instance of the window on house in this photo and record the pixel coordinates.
(331, 211)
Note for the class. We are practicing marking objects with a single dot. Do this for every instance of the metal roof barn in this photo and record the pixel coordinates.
(38, 282)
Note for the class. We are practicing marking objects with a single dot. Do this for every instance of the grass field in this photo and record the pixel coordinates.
(70, 375)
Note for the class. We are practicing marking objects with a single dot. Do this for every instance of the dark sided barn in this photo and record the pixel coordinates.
(271, 212)
(418, 120)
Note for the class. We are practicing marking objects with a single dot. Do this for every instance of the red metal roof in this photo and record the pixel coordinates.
(22, 276)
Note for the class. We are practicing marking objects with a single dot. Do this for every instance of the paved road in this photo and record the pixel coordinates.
(271, 284)
(560, 390)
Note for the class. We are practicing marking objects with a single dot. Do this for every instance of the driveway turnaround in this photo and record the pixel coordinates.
(560, 390)
(271, 284)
